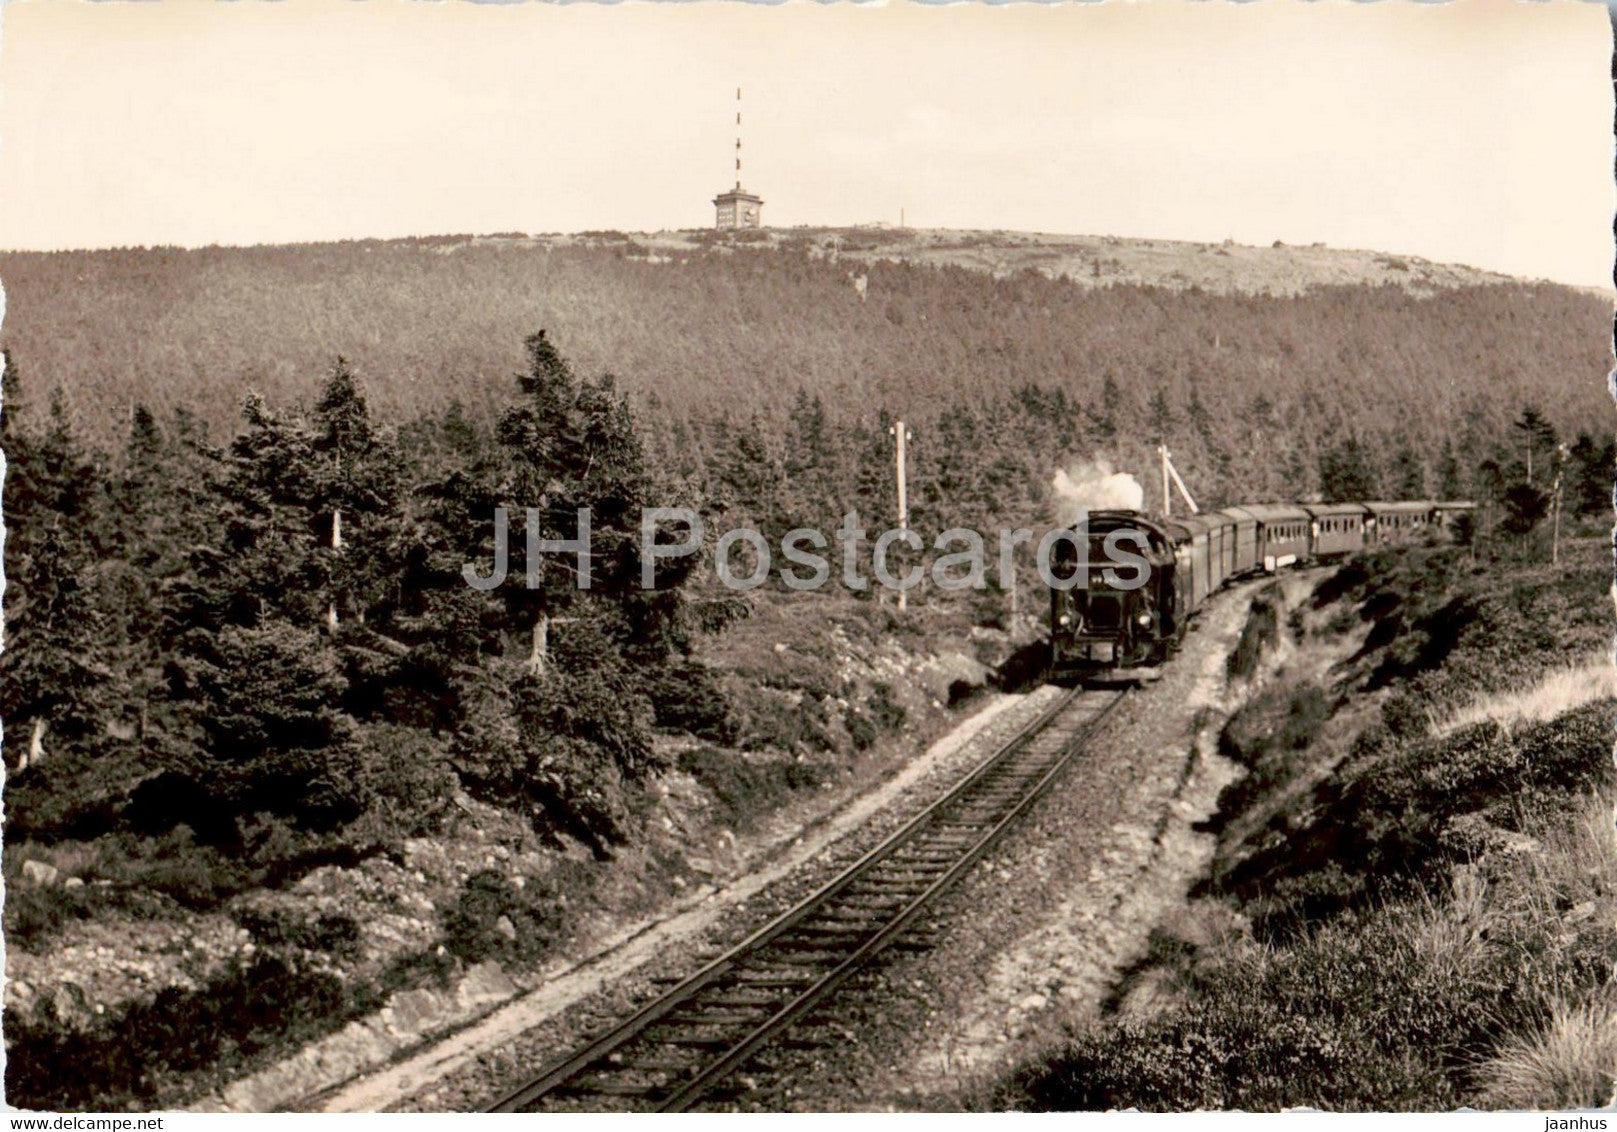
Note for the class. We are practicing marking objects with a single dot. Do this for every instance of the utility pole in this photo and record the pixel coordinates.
(1167, 499)
(1013, 591)
(1555, 506)
(336, 546)
(1169, 472)
(901, 434)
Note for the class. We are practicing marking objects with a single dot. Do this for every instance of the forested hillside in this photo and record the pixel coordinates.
(1247, 389)
(240, 651)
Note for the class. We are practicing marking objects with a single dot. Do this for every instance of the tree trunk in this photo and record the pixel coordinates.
(541, 645)
(336, 544)
(36, 745)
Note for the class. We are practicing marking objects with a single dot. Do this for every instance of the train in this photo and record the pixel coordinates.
(1135, 616)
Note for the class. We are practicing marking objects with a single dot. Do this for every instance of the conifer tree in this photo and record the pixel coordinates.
(1537, 438)
(1450, 479)
(53, 676)
(1347, 473)
(1590, 474)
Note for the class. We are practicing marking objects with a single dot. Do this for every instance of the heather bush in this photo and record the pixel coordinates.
(495, 917)
(747, 787)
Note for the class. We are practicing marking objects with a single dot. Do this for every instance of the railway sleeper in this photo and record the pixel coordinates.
(777, 979)
(727, 1017)
(768, 1001)
(862, 919)
(873, 910)
(844, 930)
(691, 1041)
(808, 952)
(655, 1064)
(589, 1088)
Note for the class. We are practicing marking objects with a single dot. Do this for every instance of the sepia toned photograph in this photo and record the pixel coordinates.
(807, 557)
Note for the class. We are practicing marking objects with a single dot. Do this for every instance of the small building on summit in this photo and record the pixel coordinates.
(737, 209)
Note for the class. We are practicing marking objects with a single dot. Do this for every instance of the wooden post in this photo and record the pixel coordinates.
(540, 656)
(1167, 499)
(1555, 506)
(903, 498)
(1012, 592)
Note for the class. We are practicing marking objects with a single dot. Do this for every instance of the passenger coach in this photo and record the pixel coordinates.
(1099, 626)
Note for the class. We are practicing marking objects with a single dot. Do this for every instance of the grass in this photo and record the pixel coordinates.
(1467, 996)
(1431, 926)
(1571, 1062)
(1557, 692)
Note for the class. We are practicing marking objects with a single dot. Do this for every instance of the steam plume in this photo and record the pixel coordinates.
(1093, 485)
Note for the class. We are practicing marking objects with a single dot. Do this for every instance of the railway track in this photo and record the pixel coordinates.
(681, 1048)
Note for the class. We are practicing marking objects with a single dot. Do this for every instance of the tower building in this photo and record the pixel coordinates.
(737, 208)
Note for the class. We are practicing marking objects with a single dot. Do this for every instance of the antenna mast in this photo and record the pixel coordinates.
(738, 139)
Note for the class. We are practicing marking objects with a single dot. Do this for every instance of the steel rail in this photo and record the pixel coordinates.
(685, 1093)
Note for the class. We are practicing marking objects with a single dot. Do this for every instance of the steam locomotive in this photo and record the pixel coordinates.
(1131, 611)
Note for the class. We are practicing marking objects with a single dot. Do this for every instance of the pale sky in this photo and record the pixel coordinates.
(1477, 131)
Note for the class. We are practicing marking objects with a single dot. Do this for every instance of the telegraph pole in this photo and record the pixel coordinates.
(1171, 473)
(1555, 505)
(1167, 498)
(901, 434)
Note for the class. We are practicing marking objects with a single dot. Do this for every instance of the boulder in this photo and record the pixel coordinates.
(39, 873)
(484, 984)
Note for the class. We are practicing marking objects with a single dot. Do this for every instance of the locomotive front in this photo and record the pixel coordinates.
(1113, 603)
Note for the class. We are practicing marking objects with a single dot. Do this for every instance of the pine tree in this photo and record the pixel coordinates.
(54, 673)
(1159, 416)
(1103, 415)
(1451, 482)
(1347, 473)
(356, 494)
(809, 465)
(264, 701)
(1407, 474)
(1590, 474)
(1537, 437)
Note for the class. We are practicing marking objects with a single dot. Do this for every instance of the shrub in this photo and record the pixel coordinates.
(406, 776)
(859, 727)
(685, 697)
(247, 1012)
(746, 788)
(334, 933)
(887, 712)
(557, 748)
(1261, 631)
(772, 720)
(533, 918)
(1364, 1015)
(34, 915)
